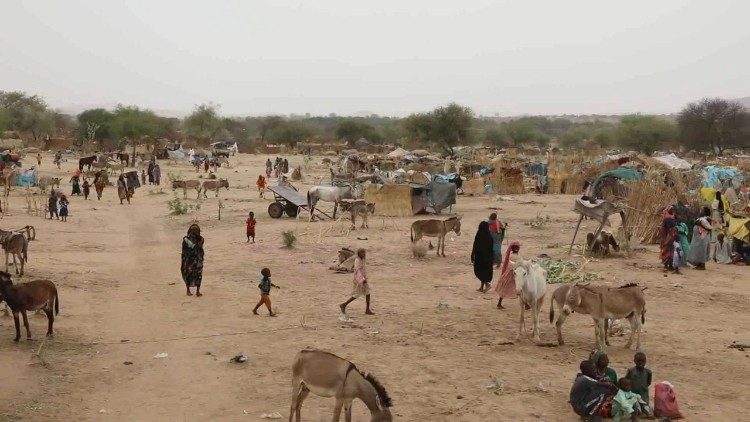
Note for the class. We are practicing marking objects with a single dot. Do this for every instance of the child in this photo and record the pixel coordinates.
(587, 395)
(39, 158)
(265, 292)
(86, 188)
(640, 376)
(63, 208)
(361, 288)
(676, 256)
(143, 177)
(628, 405)
(251, 226)
(603, 371)
(721, 250)
(52, 205)
(261, 185)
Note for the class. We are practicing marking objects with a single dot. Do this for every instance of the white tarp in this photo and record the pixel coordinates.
(398, 153)
(674, 162)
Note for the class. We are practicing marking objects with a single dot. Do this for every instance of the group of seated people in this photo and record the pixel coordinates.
(597, 392)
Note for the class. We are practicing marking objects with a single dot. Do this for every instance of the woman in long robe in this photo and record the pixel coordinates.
(100, 181)
(497, 230)
(506, 284)
(481, 256)
(122, 189)
(667, 236)
(701, 243)
(192, 260)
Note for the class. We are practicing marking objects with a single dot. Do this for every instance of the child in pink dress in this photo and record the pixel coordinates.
(506, 284)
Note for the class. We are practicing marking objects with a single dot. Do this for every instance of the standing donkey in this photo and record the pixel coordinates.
(331, 194)
(15, 244)
(436, 228)
(30, 296)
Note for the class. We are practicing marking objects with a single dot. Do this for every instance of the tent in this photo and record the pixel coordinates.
(625, 174)
(403, 200)
(716, 177)
(674, 162)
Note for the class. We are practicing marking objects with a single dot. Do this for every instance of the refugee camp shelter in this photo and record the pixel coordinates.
(407, 199)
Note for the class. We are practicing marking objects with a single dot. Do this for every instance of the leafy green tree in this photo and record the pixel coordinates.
(131, 124)
(352, 130)
(451, 125)
(203, 122)
(6, 121)
(268, 124)
(289, 132)
(94, 125)
(644, 133)
(27, 113)
(497, 137)
(715, 124)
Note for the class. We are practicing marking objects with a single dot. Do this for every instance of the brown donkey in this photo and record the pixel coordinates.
(15, 244)
(30, 296)
(327, 375)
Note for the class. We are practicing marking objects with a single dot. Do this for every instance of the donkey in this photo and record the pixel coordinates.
(30, 296)
(328, 375)
(331, 194)
(86, 161)
(361, 209)
(16, 244)
(436, 228)
(214, 185)
(185, 185)
(123, 158)
(604, 303)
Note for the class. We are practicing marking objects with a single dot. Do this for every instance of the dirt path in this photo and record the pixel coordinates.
(122, 300)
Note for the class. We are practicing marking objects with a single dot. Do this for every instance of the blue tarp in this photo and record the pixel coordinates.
(26, 179)
(535, 169)
(714, 175)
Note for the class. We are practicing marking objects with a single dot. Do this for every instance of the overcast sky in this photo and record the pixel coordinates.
(390, 57)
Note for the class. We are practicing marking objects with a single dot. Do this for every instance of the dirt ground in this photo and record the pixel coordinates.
(122, 300)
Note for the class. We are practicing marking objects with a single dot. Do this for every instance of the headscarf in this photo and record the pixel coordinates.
(194, 230)
(483, 238)
(506, 262)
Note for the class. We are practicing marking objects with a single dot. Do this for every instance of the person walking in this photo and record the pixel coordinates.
(122, 189)
(481, 256)
(506, 284)
(701, 242)
(156, 173)
(265, 292)
(63, 208)
(100, 181)
(360, 284)
(52, 205)
(497, 230)
(192, 259)
(86, 188)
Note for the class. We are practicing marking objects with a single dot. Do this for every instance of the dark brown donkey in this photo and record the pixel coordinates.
(29, 296)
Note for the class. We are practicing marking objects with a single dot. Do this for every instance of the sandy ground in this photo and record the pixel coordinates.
(122, 300)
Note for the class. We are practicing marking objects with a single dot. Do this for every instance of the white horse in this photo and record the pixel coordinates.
(331, 194)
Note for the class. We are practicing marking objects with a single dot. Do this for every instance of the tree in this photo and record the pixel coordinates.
(269, 123)
(132, 124)
(289, 132)
(203, 122)
(644, 133)
(451, 125)
(351, 130)
(27, 113)
(715, 124)
(6, 121)
(497, 137)
(94, 125)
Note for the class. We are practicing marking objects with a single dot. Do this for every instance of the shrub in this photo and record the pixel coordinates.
(178, 207)
(288, 238)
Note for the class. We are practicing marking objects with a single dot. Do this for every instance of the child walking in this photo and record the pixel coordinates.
(52, 205)
(265, 292)
(250, 226)
(361, 288)
(261, 185)
(86, 188)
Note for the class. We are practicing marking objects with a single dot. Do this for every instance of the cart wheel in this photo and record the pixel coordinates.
(291, 210)
(275, 210)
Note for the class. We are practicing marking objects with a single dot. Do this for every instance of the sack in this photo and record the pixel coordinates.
(665, 401)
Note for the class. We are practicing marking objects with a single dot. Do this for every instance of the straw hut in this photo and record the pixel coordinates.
(390, 200)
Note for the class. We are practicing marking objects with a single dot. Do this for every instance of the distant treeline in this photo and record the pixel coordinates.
(705, 125)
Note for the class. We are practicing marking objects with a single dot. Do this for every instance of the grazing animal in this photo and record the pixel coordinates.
(531, 286)
(362, 210)
(214, 185)
(331, 194)
(17, 245)
(47, 181)
(185, 185)
(86, 161)
(604, 303)
(123, 158)
(600, 245)
(436, 228)
(558, 298)
(327, 375)
(30, 296)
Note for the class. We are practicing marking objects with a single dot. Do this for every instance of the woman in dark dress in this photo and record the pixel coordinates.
(192, 260)
(481, 256)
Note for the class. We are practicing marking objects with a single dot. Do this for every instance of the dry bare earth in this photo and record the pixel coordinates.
(122, 299)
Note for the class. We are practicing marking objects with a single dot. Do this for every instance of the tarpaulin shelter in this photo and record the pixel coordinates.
(625, 174)
(407, 199)
(721, 177)
(674, 162)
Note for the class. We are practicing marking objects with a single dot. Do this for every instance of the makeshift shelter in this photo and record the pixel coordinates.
(507, 181)
(402, 200)
(598, 210)
(27, 178)
(674, 162)
(613, 180)
(397, 153)
(721, 177)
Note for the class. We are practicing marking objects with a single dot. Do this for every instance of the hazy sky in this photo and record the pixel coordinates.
(390, 57)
